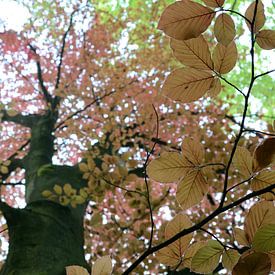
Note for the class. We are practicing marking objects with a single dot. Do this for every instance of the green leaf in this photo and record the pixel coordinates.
(264, 239)
(207, 258)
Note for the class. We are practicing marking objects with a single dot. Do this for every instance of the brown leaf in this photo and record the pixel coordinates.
(172, 254)
(224, 29)
(193, 53)
(263, 180)
(191, 189)
(253, 264)
(169, 167)
(215, 87)
(264, 154)
(175, 226)
(187, 85)
(192, 150)
(214, 3)
(243, 161)
(259, 214)
(225, 58)
(266, 39)
(240, 237)
(260, 16)
(168, 257)
(185, 19)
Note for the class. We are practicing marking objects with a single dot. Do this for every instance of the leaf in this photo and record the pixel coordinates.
(259, 214)
(169, 167)
(264, 238)
(168, 257)
(271, 255)
(263, 180)
(190, 252)
(4, 169)
(224, 29)
(76, 270)
(215, 87)
(185, 19)
(193, 53)
(175, 226)
(243, 161)
(102, 266)
(214, 3)
(187, 85)
(225, 58)
(266, 39)
(264, 154)
(192, 150)
(230, 258)
(240, 237)
(253, 264)
(260, 16)
(191, 189)
(57, 189)
(207, 258)
(171, 255)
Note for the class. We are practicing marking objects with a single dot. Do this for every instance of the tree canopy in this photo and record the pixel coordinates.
(138, 136)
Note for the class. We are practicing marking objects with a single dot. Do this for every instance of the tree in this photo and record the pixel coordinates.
(83, 123)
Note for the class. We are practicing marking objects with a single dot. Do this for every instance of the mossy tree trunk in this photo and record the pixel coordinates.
(45, 236)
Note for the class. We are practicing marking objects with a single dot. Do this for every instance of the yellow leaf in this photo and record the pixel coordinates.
(264, 238)
(266, 39)
(225, 58)
(190, 252)
(259, 214)
(191, 189)
(57, 189)
(193, 53)
(175, 226)
(68, 190)
(79, 199)
(260, 16)
(263, 180)
(83, 167)
(224, 29)
(169, 167)
(264, 154)
(83, 193)
(102, 266)
(192, 150)
(4, 169)
(230, 258)
(240, 237)
(214, 3)
(215, 87)
(76, 270)
(64, 200)
(12, 112)
(253, 264)
(46, 193)
(207, 258)
(243, 161)
(187, 85)
(185, 19)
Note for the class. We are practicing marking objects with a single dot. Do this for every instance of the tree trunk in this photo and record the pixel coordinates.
(44, 238)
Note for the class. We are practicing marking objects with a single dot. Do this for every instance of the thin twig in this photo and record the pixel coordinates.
(197, 226)
(146, 181)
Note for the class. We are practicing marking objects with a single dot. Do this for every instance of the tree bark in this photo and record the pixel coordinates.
(44, 238)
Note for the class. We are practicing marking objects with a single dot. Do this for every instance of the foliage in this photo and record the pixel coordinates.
(84, 126)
